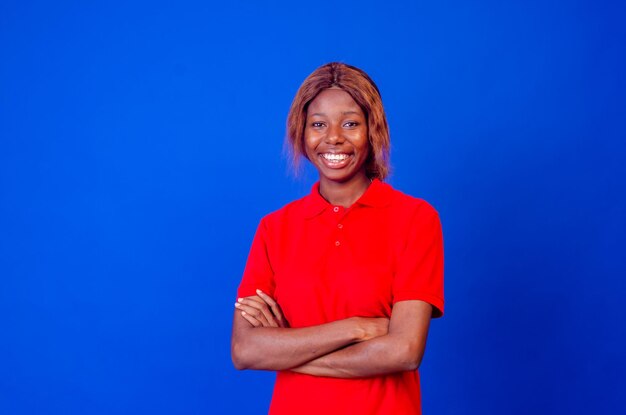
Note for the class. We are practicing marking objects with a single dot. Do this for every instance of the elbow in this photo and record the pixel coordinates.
(245, 354)
(239, 364)
(238, 356)
(410, 365)
(410, 357)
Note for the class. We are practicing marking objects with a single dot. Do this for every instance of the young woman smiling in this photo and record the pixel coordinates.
(340, 286)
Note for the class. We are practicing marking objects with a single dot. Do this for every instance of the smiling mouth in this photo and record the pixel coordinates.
(335, 160)
(336, 157)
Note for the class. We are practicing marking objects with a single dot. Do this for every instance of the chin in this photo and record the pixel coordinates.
(339, 177)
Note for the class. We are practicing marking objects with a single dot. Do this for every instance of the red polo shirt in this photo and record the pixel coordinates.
(323, 263)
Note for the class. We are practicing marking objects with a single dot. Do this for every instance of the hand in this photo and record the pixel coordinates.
(261, 311)
(372, 327)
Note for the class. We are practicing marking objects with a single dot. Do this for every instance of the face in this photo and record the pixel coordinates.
(335, 136)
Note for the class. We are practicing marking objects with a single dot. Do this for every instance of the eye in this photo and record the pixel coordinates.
(351, 124)
(317, 124)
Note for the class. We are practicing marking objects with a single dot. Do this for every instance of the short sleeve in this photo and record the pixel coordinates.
(419, 270)
(258, 273)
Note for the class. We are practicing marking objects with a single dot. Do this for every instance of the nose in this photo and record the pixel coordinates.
(334, 134)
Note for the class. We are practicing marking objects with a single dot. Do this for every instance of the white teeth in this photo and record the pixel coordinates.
(334, 157)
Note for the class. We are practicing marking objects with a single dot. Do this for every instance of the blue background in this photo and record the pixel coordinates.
(140, 143)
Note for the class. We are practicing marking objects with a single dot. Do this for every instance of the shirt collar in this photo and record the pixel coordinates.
(378, 194)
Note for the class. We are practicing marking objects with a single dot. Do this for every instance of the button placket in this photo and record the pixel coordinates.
(336, 210)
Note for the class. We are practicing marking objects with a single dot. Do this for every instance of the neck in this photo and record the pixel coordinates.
(344, 194)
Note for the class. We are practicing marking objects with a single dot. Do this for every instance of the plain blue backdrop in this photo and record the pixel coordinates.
(141, 142)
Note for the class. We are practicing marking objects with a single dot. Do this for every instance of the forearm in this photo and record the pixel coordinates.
(401, 349)
(275, 348)
(378, 356)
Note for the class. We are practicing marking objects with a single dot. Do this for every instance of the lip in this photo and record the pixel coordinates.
(335, 164)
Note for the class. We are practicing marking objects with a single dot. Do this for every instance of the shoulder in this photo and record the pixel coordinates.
(289, 212)
(406, 205)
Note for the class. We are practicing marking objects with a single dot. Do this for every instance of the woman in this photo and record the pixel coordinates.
(340, 286)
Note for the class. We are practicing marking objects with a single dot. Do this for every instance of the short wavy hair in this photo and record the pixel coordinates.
(364, 92)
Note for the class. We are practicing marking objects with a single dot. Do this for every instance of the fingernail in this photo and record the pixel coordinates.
(237, 305)
(259, 291)
(243, 313)
(240, 299)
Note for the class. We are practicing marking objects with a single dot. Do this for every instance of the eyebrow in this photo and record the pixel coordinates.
(322, 114)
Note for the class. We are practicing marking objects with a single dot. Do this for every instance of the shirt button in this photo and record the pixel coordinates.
(340, 226)
(335, 209)
(337, 243)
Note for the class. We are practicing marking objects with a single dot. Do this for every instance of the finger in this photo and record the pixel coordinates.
(255, 312)
(251, 320)
(269, 300)
(276, 310)
(258, 303)
(273, 304)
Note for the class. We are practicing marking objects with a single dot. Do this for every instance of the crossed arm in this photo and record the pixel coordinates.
(349, 348)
